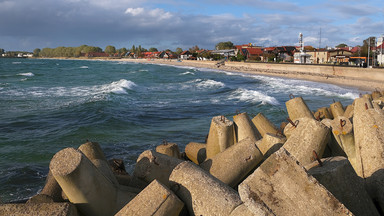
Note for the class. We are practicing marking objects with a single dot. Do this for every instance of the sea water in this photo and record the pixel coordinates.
(48, 105)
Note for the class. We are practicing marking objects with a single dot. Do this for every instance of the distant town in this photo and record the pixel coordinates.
(369, 54)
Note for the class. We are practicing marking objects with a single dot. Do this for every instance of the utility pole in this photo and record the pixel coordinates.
(369, 47)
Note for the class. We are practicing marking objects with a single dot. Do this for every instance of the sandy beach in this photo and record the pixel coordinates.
(341, 80)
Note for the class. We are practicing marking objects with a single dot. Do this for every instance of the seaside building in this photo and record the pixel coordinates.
(249, 51)
(379, 50)
(185, 55)
(226, 53)
(320, 56)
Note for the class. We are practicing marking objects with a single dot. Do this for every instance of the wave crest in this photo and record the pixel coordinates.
(29, 74)
(253, 96)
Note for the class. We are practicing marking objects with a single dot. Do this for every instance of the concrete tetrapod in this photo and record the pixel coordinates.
(233, 164)
(338, 176)
(170, 149)
(52, 188)
(297, 108)
(152, 165)
(84, 184)
(349, 111)
(342, 130)
(322, 113)
(221, 135)
(369, 132)
(245, 128)
(310, 135)
(242, 210)
(196, 152)
(156, 200)
(47, 209)
(337, 109)
(202, 193)
(93, 152)
(263, 125)
(285, 187)
(270, 144)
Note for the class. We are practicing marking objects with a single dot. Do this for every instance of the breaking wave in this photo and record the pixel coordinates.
(29, 74)
(252, 96)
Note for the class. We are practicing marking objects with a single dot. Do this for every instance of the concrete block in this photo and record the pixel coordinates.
(83, 183)
(263, 125)
(202, 193)
(170, 149)
(342, 130)
(152, 165)
(52, 188)
(310, 135)
(221, 135)
(196, 152)
(270, 144)
(245, 128)
(233, 164)
(376, 95)
(297, 108)
(155, 199)
(285, 187)
(242, 210)
(337, 109)
(337, 175)
(368, 128)
(322, 113)
(349, 111)
(47, 209)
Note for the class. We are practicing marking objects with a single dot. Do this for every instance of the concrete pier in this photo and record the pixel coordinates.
(286, 188)
(233, 164)
(202, 193)
(221, 136)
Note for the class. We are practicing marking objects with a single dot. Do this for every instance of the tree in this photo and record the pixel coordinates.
(153, 49)
(2, 51)
(179, 50)
(133, 49)
(194, 49)
(110, 50)
(342, 45)
(224, 45)
(122, 51)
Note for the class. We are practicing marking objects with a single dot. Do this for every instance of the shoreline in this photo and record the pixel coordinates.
(321, 73)
(361, 84)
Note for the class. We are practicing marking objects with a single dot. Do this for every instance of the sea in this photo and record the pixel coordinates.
(47, 105)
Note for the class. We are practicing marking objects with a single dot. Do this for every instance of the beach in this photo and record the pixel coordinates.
(362, 78)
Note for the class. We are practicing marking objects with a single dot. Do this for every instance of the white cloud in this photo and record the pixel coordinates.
(134, 11)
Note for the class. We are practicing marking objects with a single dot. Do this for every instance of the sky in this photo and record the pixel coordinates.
(169, 24)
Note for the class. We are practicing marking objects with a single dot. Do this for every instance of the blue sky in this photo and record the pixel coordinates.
(30, 24)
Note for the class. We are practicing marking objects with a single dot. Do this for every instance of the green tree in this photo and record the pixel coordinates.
(342, 45)
(2, 51)
(179, 50)
(133, 49)
(194, 49)
(110, 50)
(153, 49)
(224, 45)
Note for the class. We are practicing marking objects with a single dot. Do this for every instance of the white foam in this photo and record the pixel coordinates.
(16, 62)
(29, 74)
(84, 67)
(118, 87)
(253, 96)
(187, 73)
(209, 84)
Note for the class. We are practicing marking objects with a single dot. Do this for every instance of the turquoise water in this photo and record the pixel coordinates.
(48, 105)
